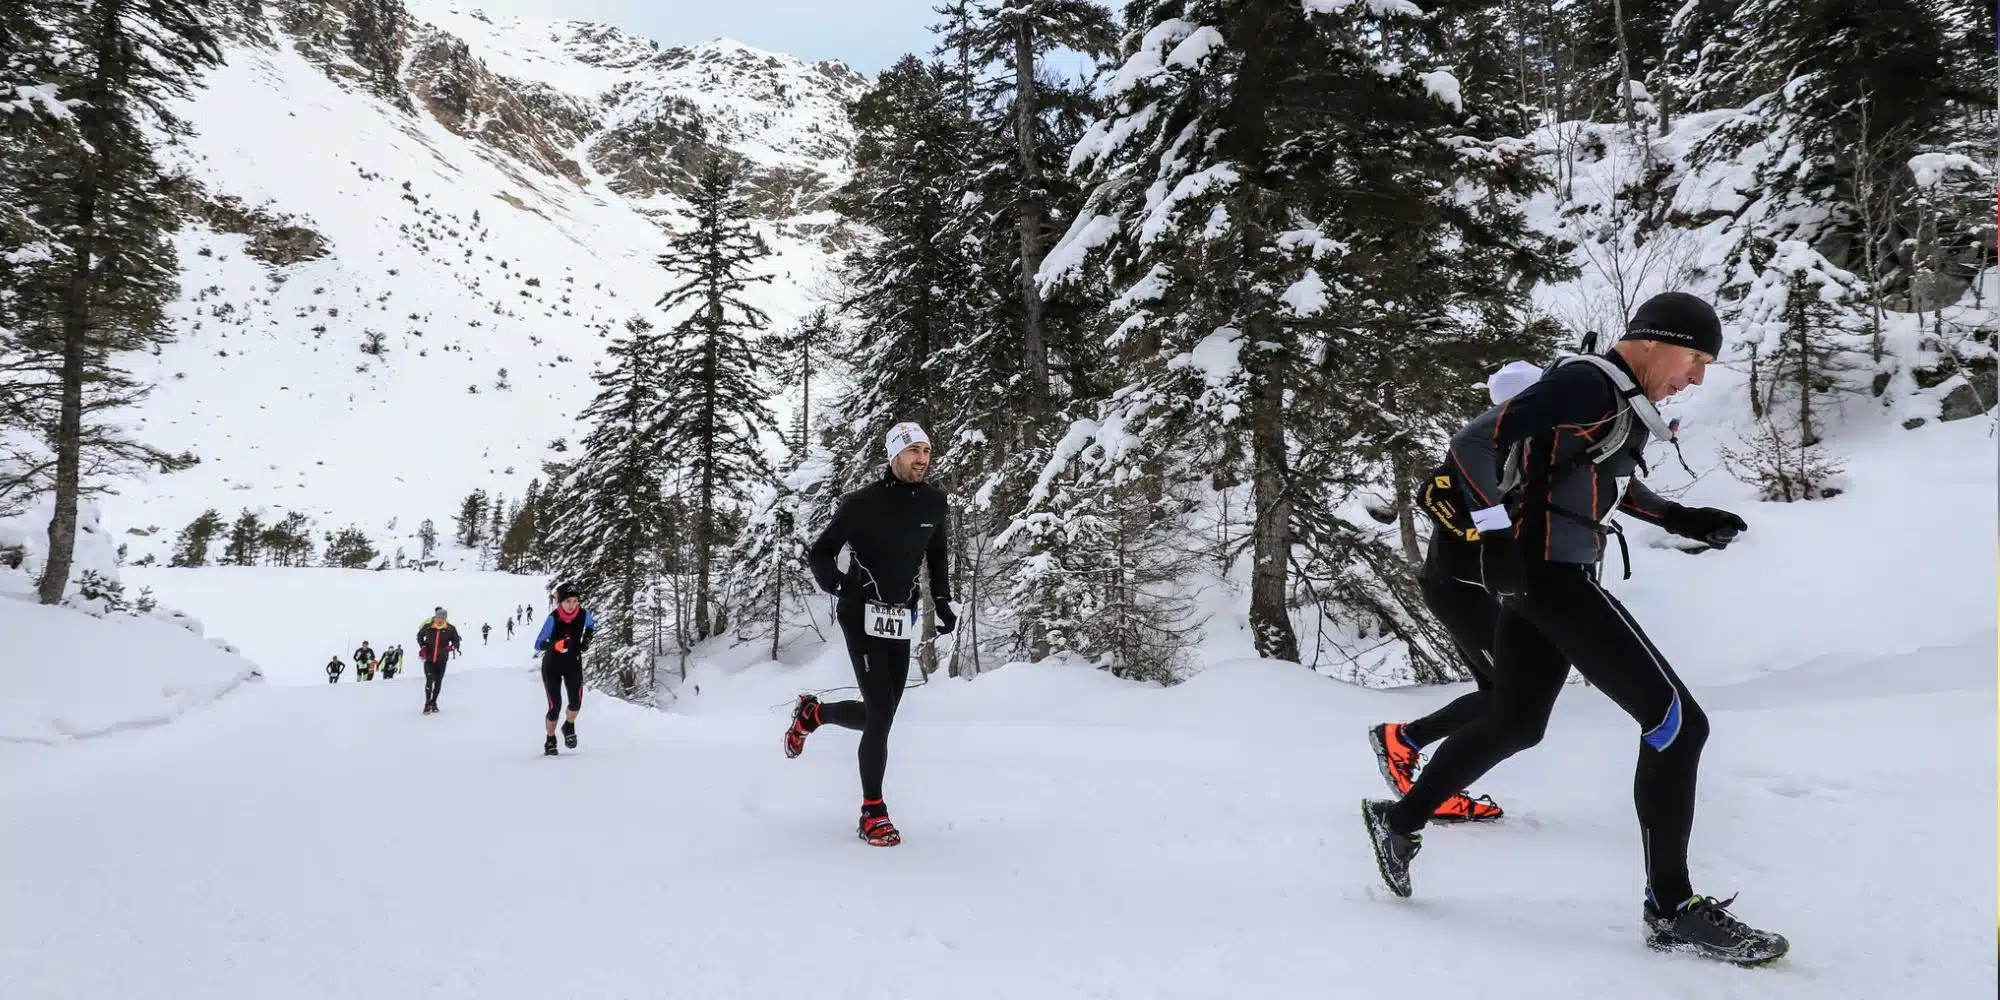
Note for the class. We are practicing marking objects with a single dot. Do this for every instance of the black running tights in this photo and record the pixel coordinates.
(1469, 613)
(433, 681)
(558, 677)
(881, 668)
(1566, 618)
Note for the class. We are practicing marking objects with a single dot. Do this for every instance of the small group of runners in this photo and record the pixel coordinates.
(1520, 505)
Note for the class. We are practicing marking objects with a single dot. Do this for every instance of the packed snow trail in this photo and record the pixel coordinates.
(1068, 835)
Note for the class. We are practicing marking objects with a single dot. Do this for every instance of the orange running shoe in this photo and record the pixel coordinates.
(1395, 756)
(875, 826)
(805, 719)
(1463, 808)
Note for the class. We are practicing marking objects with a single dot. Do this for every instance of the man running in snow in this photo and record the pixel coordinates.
(510, 628)
(392, 660)
(1540, 538)
(436, 642)
(894, 527)
(1452, 591)
(364, 663)
(564, 638)
(486, 634)
(334, 668)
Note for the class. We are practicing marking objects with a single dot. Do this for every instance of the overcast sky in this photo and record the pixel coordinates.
(868, 35)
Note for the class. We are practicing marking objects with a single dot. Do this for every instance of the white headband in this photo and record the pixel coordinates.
(902, 436)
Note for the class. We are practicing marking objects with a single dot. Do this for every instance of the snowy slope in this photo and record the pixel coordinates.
(471, 247)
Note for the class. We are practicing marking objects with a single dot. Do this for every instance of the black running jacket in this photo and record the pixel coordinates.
(894, 528)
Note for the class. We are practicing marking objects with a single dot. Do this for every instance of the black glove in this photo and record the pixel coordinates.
(830, 586)
(946, 618)
(1500, 563)
(1712, 525)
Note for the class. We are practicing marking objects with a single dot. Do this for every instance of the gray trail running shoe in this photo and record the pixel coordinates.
(1705, 927)
(1393, 850)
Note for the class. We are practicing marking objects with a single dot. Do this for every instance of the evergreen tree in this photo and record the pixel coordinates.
(517, 545)
(427, 537)
(102, 284)
(799, 356)
(715, 406)
(246, 541)
(611, 511)
(191, 546)
(914, 283)
(1277, 210)
(496, 530)
(1030, 121)
(471, 519)
(350, 549)
(289, 542)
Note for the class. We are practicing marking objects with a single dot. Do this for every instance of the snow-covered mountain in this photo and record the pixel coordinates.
(397, 287)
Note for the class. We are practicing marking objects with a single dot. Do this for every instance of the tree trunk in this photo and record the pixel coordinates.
(68, 443)
(1271, 524)
(777, 596)
(1624, 63)
(1406, 521)
(1029, 203)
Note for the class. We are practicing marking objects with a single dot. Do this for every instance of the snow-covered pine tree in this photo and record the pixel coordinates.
(766, 584)
(1283, 196)
(1804, 341)
(716, 406)
(1027, 121)
(611, 511)
(1821, 85)
(427, 537)
(191, 547)
(799, 357)
(912, 277)
(470, 520)
(350, 549)
(496, 530)
(246, 541)
(103, 284)
(289, 542)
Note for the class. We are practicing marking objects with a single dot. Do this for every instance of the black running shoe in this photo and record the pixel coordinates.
(1705, 927)
(549, 746)
(569, 735)
(1393, 850)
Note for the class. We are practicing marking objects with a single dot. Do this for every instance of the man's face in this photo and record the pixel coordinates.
(1671, 368)
(570, 604)
(911, 463)
(437, 620)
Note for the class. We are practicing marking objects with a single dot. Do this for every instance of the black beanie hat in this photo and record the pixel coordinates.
(565, 592)
(1678, 318)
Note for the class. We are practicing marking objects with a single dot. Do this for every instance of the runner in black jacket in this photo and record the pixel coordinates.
(894, 527)
(565, 635)
(1539, 544)
(436, 641)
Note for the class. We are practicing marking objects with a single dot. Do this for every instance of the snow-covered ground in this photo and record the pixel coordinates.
(69, 675)
(1067, 836)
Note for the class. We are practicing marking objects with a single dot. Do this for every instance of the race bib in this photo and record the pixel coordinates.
(887, 621)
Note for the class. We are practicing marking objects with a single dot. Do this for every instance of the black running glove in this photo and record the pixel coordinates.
(946, 618)
(1500, 563)
(1712, 525)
